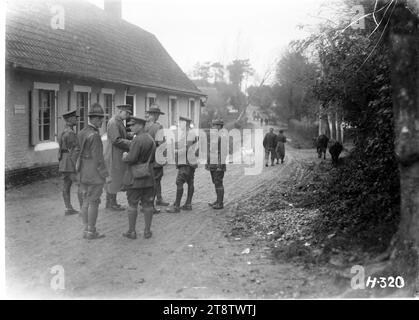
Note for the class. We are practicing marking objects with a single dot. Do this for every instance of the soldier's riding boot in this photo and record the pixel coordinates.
(92, 214)
(148, 218)
(215, 202)
(84, 216)
(188, 203)
(108, 200)
(111, 203)
(176, 205)
(116, 203)
(132, 220)
(159, 201)
(69, 210)
(220, 199)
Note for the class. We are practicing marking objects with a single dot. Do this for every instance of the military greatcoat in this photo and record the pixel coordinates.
(118, 143)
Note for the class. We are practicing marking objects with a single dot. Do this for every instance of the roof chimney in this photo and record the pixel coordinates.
(113, 8)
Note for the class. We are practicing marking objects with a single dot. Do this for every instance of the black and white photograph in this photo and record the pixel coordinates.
(217, 150)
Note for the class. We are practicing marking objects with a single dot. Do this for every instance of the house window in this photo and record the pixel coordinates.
(46, 119)
(82, 108)
(173, 110)
(108, 105)
(150, 100)
(130, 99)
(192, 110)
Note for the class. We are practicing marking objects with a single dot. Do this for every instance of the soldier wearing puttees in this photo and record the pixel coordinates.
(186, 169)
(140, 189)
(68, 153)
(217, 170)
(93, 172)
(152, 127)
(118, 143)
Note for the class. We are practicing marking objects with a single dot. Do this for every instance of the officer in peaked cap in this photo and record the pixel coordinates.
(68, 152)
(152, 127)
(217, 169)
(118, 142)
(186, 169)
(139, 190)
(92, 169)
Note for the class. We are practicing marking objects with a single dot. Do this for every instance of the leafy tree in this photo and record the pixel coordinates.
(202, 71)
(295, 77)
(261, 96)
(238, 70)
(218, 71)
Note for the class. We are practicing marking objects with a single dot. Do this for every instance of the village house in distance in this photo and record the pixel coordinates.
(70, 54)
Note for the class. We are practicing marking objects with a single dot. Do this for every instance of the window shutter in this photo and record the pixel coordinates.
(34, 105)
(169, 115)
(113, 105)
(57, 113)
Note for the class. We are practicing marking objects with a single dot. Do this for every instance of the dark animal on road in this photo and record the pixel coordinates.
(321, 145)
(335, 148)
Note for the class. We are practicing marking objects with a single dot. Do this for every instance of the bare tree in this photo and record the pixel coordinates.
(404, 44)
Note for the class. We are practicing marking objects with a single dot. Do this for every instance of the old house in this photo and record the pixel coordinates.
(70, 54)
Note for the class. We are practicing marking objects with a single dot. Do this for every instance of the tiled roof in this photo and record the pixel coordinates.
(92, 45)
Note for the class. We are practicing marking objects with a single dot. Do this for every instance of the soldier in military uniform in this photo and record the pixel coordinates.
(186, 170)
(68, 153)
(92, 169)
(218, 169)
(152, 127)
(139, 190)
(118, 143)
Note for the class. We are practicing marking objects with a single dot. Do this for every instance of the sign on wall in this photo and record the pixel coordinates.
(19, 109)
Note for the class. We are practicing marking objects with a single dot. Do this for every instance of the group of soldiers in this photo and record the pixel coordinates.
(274, 145)
(128, 164)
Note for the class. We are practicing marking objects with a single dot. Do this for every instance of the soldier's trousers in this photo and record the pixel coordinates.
(158, 175)
(91, 201)
(68, 179)
(186, 174)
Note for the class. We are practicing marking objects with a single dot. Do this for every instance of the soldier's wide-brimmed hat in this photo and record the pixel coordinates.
(96, 110)
(185, 119)
(134, 120)
(125, 107)
(72, 113)
(154, 109)
(217, 121)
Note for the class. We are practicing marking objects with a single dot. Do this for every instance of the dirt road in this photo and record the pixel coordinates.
(187, 257)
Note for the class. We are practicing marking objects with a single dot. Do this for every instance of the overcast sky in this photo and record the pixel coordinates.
(222, 30)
